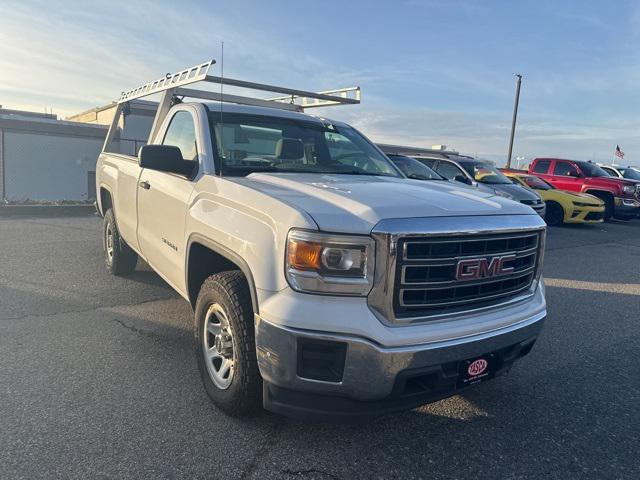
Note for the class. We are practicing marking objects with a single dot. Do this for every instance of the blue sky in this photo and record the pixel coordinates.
(431, 71)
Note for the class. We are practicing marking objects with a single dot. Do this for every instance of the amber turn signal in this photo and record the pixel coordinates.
(304, 255)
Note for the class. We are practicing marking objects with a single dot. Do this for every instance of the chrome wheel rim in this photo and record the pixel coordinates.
(108, 240)
(218, 346)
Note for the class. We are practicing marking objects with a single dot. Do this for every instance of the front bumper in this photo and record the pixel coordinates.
(593, 214)
(374, 379)
(626, 207)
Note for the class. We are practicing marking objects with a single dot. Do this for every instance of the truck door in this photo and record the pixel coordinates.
(566, 176)
(162, 204)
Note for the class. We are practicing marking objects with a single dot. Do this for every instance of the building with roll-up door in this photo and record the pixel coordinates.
(44, 159)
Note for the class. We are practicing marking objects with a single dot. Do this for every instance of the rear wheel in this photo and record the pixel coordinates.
(555, 214)
(119, 258)
(225, 344)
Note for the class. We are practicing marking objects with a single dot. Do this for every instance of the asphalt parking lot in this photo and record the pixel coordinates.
(98, 380)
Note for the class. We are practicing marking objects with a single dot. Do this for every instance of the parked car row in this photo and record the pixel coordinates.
(559, 190)
(621, 196)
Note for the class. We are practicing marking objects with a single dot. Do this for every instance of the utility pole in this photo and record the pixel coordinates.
(515, 115)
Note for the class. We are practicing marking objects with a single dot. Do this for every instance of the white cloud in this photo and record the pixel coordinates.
(76, 56)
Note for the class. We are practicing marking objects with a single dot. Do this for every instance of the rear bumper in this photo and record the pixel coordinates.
(371, 379)
(626, 207)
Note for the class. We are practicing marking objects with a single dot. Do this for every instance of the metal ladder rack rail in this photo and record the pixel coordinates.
(173, 85)
(321, 98)
(193, 74)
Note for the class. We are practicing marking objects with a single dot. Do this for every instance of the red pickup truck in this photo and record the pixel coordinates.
(621, 196)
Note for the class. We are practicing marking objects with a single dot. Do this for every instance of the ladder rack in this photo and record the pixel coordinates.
(172, 85)
(199, 73)
(323, 99)
(194, 74)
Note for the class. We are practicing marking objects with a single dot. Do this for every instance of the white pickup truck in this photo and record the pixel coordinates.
(324, 283)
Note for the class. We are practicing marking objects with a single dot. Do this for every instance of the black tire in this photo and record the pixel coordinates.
(230, 292)
(554, 214)
(609, 206)
(119, 258)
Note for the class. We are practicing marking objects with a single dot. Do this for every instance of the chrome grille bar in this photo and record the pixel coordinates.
(458, 238)
(426, 280)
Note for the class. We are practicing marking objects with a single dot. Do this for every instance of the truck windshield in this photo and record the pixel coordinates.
(484, 172)
(591, 170)
(630, 173)
(254, 143)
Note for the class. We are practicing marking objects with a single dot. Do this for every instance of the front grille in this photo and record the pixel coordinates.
(594, 216)
(425, 279)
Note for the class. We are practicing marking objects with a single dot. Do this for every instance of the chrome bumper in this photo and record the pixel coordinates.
(370, 370)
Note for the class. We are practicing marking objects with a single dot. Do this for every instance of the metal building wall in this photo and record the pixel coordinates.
(44, 159)
(47, 167)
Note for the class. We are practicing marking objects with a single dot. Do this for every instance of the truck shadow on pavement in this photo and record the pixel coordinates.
(126, 376)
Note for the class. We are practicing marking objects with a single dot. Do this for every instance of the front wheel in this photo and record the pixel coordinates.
(554, 214)
(225, 344)
(609, 207)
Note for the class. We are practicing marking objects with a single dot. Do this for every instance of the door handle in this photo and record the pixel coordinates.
(146, 185)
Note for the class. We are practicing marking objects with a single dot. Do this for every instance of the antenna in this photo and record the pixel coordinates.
(221, 105)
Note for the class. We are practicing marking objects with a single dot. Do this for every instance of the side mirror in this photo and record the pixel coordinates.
(165, 158)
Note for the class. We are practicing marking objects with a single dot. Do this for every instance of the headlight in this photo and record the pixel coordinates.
(581, 204)
(329, 263)
(629, 189)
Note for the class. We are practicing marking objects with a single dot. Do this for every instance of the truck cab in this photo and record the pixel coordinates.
(324, 283)
(620, 196)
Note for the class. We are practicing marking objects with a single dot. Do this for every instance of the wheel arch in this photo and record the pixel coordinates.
(599, 193)
(105, 200)
(206, 257)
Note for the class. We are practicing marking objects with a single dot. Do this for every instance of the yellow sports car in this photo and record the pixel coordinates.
(562, 206)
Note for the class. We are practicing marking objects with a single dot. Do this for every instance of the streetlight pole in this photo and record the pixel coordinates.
(515, 115)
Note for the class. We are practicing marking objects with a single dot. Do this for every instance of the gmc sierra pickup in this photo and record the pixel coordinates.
(323, 282)
(621, 196)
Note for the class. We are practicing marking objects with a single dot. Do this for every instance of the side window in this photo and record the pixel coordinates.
(542, 166)
(429, 162)
(182, 134)
(565, 169)
(448, 170)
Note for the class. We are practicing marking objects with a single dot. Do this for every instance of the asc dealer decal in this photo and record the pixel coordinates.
(476, 370)
(477, 367)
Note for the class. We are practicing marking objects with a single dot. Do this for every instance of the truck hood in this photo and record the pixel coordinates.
(355, 204)
(518, 192)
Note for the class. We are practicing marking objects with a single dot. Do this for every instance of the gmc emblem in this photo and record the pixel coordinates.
(488, 267)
